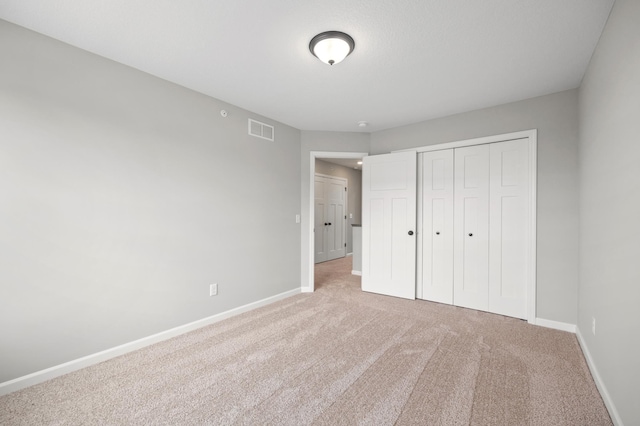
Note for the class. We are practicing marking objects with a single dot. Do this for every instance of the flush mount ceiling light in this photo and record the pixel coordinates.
(331, 47)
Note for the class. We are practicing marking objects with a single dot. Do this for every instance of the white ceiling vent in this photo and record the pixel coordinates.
(260, 130)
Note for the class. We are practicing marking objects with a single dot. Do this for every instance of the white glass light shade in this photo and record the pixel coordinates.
(331, 50)
(331, 47)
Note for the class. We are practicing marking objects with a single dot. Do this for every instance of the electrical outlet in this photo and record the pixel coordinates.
(593, 325)
(213, 290)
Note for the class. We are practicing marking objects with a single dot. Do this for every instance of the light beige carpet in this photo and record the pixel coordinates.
(336, 357)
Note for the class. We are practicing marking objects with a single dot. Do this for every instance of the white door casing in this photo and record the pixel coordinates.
(389, 224)
(436, 233)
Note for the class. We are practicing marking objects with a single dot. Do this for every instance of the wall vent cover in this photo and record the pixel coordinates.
(261, 130)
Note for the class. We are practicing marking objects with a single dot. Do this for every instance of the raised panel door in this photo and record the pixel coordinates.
(389, 224)
(509, 219)
(437, 226)
(471, 224)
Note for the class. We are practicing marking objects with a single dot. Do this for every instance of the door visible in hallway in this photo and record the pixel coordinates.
(330, 218)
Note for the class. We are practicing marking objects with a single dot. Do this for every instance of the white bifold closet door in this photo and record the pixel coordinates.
(475, 216)
(509, 226)
(471, 223)
(437, 232)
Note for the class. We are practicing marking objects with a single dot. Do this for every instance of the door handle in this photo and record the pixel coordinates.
(437, 232)
(329, 223)
(470, 234)
(410, 232)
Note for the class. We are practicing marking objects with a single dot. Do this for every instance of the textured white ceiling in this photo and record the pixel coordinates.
(414, 59)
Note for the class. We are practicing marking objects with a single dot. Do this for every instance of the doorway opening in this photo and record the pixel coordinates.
(338, 159)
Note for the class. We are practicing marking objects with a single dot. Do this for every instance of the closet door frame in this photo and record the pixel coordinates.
(532, 136)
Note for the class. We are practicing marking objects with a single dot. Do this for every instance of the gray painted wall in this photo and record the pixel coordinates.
(123, 197)
(354, 194)
(556, 118)
(323, 142)
(610, 208)
(122, 201)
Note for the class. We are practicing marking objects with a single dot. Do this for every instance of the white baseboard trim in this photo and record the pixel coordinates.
(306, 290)
(356, 273)
(86, 361)
(350, 254)
(608, 402)
(556, 325)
